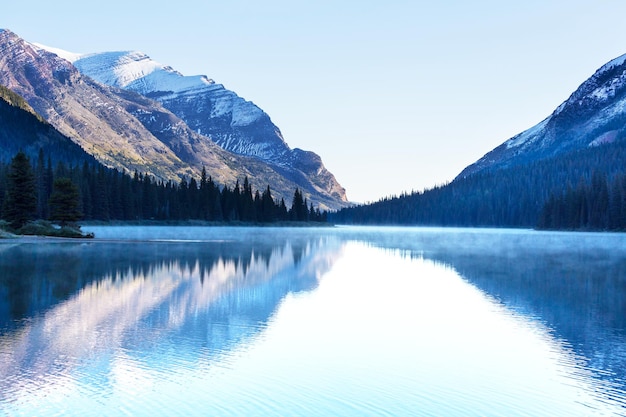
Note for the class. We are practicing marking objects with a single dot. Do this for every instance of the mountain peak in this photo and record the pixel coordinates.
(230, 121)
(139, 130)
(620, 60)
(68, 56)
(134, 70)
(594, 114)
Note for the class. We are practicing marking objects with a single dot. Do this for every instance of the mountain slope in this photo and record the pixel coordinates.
(595, 114)
(127, 131)
(81, 109)
(21, 129)
(583, 139)
(209, 109)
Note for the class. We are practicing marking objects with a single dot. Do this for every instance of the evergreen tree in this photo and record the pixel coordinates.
(100, 196)
(283, 213)
(204, 197)
(43, 192)
(247, 210)
(268, 206)
(20, 203)
(98, 193)
(299, 207)
(65, 202)
(216, 211)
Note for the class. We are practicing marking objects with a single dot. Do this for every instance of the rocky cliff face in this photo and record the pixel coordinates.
(125, 130)
(595, 114)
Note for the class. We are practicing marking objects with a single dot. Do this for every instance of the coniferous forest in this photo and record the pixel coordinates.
(65, 193)
(596, 205)
(583, 190)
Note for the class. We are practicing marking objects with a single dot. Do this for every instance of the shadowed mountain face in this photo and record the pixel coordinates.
(594, 115)
(21, 129)
(130, 132)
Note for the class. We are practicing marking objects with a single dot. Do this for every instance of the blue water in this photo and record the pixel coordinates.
(192, 321)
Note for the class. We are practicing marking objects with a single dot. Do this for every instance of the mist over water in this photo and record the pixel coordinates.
(331, 321)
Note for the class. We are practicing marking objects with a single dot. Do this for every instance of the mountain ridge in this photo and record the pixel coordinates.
(131, 132)
(581, 145)
(594, 114)
(208, 108)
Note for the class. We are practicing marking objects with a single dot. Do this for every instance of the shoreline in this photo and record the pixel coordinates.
(8, 237)
(203, 223)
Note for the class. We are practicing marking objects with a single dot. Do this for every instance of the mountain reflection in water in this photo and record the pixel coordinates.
(63, 303)
(329, 321)
(574, 284)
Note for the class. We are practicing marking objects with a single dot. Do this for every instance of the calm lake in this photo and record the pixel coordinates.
(345, 321)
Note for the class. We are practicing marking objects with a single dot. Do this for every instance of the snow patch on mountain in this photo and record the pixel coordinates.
(136, 71)
(597, 89)
(613, 63)
(68, 56)
(593, 115)
(608, 137)
(605, 92)
(527, 136)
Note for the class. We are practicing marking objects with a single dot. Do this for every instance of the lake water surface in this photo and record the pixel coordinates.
(193, 321)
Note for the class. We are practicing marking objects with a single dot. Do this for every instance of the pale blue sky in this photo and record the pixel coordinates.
(394, 96)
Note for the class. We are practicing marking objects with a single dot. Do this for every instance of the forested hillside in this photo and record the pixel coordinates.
(513, 197)
(27, 184)
(599, 204)
(21, 129)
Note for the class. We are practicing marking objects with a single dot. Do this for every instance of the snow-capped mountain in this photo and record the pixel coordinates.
(135, 71)
(125, 130)
(595, 114)
(211, 110)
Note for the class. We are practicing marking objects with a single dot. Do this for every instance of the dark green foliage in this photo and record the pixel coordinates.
(64, 202)
(20, 203)
(513, 197)
(299, 210)
(93, 192)
(597, 205)
(268, 211)
(18, 102)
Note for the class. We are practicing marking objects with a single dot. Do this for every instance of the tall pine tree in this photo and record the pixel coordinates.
(20, 204)
(65, 202)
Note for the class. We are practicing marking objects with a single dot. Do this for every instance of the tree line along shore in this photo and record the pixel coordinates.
(37, 198)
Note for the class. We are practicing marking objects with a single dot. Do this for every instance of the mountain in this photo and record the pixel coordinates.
(236, 125)
(125, 130)
(572, 163)
(594, 115)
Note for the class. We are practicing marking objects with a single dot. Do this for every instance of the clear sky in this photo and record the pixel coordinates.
(394, 96)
